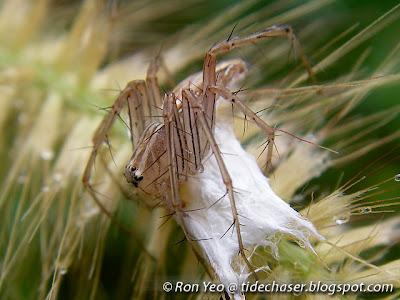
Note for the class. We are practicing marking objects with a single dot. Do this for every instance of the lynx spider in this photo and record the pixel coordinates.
(171, 150)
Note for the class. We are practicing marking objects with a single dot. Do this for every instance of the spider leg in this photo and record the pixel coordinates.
(143, 102)
(269, 131)
(99, 137)
(236, 42)
(170, 112)
(209, 65)
(210, 80)
(208, 133)
(139, 109)
(195, 138)
(153, 89)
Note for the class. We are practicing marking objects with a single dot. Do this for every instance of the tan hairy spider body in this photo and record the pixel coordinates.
(147, 168)
(173, 147)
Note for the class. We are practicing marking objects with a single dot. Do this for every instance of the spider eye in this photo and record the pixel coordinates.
(133, 169)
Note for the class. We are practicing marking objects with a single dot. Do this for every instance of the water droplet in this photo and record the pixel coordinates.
(57, 177)
(365, 210)
(297, 265)
(18, 103)
(63, 270)
(298, 198)
(22, 179)
(47, 154)
(341, 219)
(397, 177)
(22, 118)
(200, 168)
